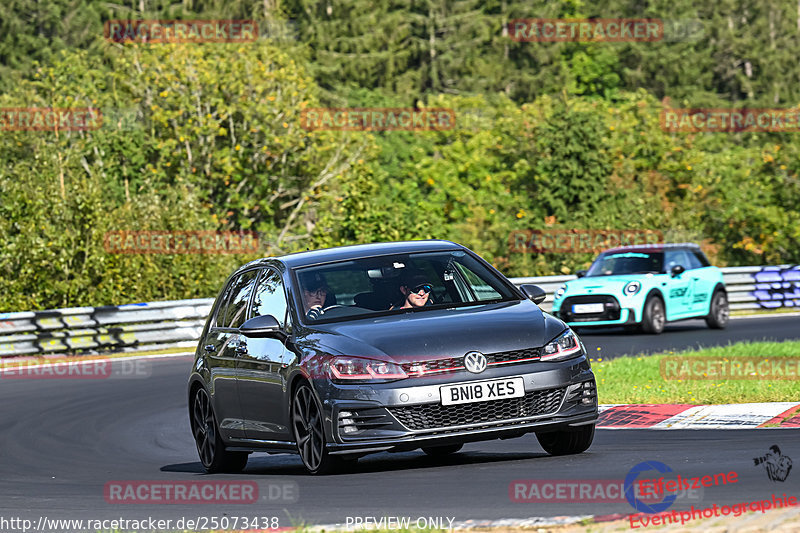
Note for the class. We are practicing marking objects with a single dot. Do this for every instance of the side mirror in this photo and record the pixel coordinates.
(581, 273)
(677, 270)
(534, 292)
(261, 326)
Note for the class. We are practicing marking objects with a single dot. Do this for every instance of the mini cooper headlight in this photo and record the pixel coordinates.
(560, 292)
(564, 346)
(631, 288)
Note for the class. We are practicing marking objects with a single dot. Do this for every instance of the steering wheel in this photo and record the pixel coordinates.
(332, 307)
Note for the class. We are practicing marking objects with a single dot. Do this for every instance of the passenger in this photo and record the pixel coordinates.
(315, 290)
(416, 292)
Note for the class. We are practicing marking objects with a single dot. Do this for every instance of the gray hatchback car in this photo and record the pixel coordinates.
(338, 353)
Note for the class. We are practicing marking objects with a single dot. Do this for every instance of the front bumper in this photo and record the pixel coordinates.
(408, 414)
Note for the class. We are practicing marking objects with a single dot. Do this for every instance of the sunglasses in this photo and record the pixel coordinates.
(318, 291)
(422, 287)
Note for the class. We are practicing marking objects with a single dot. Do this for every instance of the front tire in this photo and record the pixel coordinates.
(213, 455)
(309, 433)
(654, 317)
(719, 313)
(567, 442)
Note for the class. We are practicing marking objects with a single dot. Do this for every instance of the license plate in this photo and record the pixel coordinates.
(482, 391)
(587, 308)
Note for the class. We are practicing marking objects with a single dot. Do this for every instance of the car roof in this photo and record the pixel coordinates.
(356, 251)
(656, 247)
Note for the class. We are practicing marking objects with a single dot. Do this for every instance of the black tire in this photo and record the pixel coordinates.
(309, 433)
(654, 316)
(567, 442)
(719, 312)
(213, 455)
(441, 451)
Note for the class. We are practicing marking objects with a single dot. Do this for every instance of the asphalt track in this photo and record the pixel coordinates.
(690, 334)
(62, 440)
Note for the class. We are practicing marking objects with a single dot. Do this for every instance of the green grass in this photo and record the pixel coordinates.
(638, 379)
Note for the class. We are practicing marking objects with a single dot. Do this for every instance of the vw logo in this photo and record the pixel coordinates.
(475, 362)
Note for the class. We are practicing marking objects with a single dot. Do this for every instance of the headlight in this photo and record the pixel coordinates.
(358, 369)
(560, 292)
(631, 288)
(564, 346)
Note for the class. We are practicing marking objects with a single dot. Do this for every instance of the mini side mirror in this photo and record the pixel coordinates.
(677, 270)
(534, 292)
(580, 273)
(261, 326)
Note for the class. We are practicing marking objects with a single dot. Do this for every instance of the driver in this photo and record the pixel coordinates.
(416, 292)
(315, 290)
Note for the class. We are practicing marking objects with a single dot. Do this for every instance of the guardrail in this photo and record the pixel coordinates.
(179, 323)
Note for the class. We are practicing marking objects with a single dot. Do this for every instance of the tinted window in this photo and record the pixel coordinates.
(362, 287)
(269, 298)
(700, 256)
(676, 257)
(623, 263)
(234, 312)
(694, 262)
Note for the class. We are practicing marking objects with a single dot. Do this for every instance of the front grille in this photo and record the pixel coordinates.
(611, 309)
(454, 364)
(432, 416)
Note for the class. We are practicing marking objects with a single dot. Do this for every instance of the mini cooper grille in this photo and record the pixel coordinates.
(431, 416)
(453, 364)
(611, 309)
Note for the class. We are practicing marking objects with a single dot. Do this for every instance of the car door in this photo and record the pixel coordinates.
(680, 288)
(220, 347)
(260, 382)
(704, 280)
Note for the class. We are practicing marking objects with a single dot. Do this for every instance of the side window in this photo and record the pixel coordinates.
(481, 289)
(701, 258)
(694, 262)
(234, 310)
(270, 298)
(676, 257)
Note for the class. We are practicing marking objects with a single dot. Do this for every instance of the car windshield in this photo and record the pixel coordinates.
(622, 263)
(393, 284)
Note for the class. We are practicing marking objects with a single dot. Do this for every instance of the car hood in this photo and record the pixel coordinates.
(603, 284)
(451, 332)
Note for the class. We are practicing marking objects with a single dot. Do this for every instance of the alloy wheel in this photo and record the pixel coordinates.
(204, 427)
(307, 424)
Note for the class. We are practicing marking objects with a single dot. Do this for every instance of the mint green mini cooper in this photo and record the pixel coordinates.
(644, 287)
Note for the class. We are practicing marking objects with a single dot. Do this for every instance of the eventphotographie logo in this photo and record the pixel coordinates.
(50, 118)
(776, 464)
(585, 30)
(180, 31)
(377, 119)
